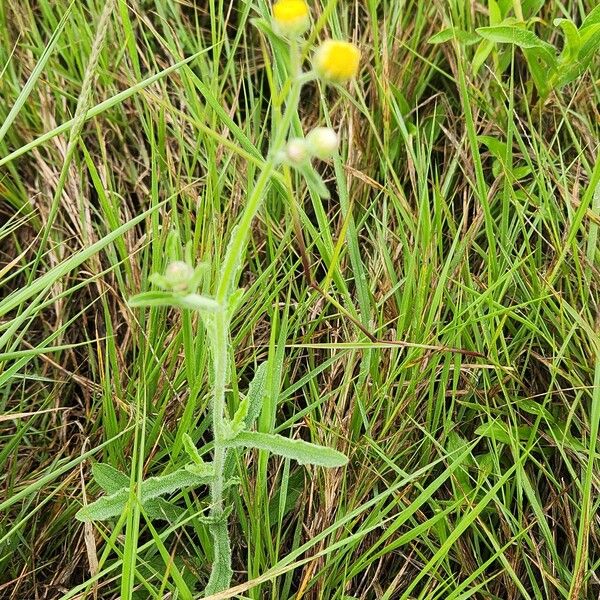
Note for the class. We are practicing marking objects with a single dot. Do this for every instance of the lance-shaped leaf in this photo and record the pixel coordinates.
(510, 34)
(113, 504)
(221, 572)
(464, 37)
(256, 394)
(190, 301)
(111, 480)
(303, 452)
(160, 509)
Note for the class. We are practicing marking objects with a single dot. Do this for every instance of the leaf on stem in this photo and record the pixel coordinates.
(189, 301)
(303, 452)
(113, 504)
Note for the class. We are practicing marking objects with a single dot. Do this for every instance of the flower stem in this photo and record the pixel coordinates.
(221, 574)
(220, 577)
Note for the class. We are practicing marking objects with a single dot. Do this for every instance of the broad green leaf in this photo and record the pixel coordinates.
(314, 181)
(457, 445)
(501, 433)
(303, 452)
(451, 33)
(239, 418)
(506, 34)
(111, 480)
(542, 72)
(495, 146)
(590, 42)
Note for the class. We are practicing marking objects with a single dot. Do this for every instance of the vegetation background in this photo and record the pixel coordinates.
(452, 353)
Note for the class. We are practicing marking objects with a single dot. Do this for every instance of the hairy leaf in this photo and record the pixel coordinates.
(111, 480)
(303, 452)
(508, 34)
(221, 573)
(464, 37)
(256, 394)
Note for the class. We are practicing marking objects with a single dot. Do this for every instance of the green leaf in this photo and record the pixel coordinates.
(256, 394)
(593, 18)
(314, 181)
(221, 573)
(161, 509)
(506, 34)
(189, 301)
(572, 42)
(111, 480)
(501, 433)
(114, 504)
(451, 33)
(239, 418)
(458, 445)
(542, 72)
(481, 54)
(173, 482)
(590, 42)
(531, 8)
(303, 452)
(105, 507)
(495, 146)
(192, 451)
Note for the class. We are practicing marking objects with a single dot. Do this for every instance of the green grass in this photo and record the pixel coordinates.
(450, 346)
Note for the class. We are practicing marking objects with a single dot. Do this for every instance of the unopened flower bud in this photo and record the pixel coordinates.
(291, 17)
(297, 151)
(323, 142)
(178, 275)
(336, 61)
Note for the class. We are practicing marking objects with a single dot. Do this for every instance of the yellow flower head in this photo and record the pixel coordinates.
(336, 61)
(291, 17)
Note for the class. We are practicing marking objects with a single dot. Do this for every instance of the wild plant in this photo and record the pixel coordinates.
(181, 286)
(511, 24)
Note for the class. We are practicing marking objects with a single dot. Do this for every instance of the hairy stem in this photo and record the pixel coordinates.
(221, 573)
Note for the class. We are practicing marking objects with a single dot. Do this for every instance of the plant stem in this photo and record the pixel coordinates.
(220, 577)
(237, 245)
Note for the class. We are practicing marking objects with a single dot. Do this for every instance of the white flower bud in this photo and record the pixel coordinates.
(297, 151)
(323, 142)
(178, 275)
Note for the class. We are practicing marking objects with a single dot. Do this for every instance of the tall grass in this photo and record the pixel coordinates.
(445, 336)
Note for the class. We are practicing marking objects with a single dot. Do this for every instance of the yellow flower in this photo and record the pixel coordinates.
(336, 61)
(291, 17)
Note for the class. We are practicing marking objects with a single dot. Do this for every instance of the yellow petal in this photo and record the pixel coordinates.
(291, 17)
(337, 61)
